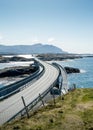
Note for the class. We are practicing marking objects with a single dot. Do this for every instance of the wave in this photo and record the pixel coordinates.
(66, 60)
(26, 56)
(82, 71)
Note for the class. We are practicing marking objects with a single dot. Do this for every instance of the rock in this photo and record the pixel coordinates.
(57, 57)
(17, 71)
(71, 70)
(14, 58)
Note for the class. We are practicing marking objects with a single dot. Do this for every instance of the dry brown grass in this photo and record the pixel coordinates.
(75, 112)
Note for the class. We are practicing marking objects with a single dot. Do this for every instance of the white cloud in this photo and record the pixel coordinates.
(51, 40)
(35, 40)
(1, 37)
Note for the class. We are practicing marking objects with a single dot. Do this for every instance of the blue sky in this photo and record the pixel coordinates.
(67, 24)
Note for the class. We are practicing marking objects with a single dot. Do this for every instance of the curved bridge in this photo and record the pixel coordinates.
(11, 106)
(11, 89)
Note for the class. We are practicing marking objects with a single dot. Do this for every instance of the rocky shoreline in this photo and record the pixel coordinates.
(58, 57)
(17, 71)
(70, 70)
(13, 74)
(13, 59)
(61, 57)
(26, 70)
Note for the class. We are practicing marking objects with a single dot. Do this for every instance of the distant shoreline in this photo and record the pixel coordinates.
(58, 57)
(45, 57)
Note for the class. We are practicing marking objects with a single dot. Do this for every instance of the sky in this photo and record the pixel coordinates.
(67, 24)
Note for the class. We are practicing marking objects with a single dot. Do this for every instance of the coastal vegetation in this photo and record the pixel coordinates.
(73, 111)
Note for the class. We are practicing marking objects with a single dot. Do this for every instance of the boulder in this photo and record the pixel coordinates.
(17, 71)
(71, 70)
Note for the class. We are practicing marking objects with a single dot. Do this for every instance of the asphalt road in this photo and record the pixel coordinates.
(14, 104)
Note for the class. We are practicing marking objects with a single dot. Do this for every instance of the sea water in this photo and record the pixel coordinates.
(4, 81)
(83, 79)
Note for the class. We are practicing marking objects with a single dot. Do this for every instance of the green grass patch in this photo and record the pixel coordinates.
(73, 112)
(88, 95)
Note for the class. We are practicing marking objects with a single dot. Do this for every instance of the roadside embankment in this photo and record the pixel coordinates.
(74, 111)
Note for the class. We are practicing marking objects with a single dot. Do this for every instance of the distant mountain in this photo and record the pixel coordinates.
(30, 49)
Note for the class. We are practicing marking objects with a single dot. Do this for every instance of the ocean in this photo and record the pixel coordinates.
(6, 81)
(82, 80)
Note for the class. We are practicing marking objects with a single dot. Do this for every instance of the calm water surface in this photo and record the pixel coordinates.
(83, 79)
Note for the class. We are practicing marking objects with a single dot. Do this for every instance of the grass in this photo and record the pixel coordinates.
(73, 112)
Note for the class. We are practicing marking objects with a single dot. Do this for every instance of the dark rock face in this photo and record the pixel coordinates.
(59, 57)
(15, 58)
(17, 71)
(71, 70)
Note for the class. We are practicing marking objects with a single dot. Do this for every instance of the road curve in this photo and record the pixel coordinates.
(12, 105)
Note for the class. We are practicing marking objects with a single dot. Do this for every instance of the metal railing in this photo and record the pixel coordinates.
(34, 102)
(63, 72)
(29, 105)
(19, 85)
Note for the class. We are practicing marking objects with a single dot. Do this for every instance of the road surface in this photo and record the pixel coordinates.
(12, 105)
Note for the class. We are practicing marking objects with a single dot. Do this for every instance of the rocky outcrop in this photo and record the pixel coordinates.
(17, 71)
(71, 70)
(57, 57)
(14, 58)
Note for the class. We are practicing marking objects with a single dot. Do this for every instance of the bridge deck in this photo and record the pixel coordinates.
(14, 104)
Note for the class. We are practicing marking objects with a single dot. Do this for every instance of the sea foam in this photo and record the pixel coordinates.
(82, 71)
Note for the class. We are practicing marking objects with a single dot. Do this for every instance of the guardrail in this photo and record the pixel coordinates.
(29, 106)
(19, 85)
(64, 82)
(38, 99)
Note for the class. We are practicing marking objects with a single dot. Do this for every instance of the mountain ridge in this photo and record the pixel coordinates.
(38, 48)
